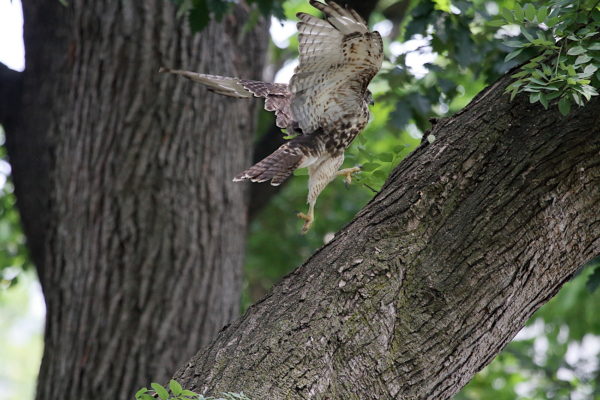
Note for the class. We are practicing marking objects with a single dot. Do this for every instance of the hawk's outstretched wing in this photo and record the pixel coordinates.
(338, 58)
(277, 95)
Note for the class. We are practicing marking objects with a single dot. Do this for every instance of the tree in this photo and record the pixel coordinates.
(69, 224)
(468, 237)
(123, 182)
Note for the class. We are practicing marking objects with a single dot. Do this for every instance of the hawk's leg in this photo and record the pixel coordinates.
(308, 218)
(347, 174)
(319, 175)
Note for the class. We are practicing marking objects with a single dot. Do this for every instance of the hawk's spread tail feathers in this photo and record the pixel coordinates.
(218, 84)
(277, 167)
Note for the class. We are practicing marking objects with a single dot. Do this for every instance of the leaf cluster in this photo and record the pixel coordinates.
(176, 392)
(564, 35)
(200, 12)
(14, 256)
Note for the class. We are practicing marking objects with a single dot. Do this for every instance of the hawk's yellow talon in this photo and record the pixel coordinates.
(347, 174)
(308, 221)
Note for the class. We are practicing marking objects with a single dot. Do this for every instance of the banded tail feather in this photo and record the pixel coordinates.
(277, 95)
(277, 167)
(219, 84)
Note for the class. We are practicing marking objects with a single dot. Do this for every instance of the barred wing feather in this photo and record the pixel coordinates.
(338, 58)
(277, 95)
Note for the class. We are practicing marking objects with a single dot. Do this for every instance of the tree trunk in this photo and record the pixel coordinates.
(141, 229)
(469, 236)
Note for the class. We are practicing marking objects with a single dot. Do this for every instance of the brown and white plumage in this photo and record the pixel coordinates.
(277, 95)
(325, 104)
(338, 59)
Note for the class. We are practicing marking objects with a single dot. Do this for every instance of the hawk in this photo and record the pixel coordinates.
(326, 104)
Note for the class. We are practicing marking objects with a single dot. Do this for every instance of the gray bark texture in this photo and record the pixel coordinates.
(469, 236)
(124, 181)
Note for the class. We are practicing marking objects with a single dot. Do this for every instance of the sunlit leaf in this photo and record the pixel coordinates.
(564, 105)
(575, 51)
(175, 387)
(160, 390)
(513, 54)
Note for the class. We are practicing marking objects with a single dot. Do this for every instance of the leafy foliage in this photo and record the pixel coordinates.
(565, 36)
(176, 392)
(201, 12)
(14, 257)
(593, 282)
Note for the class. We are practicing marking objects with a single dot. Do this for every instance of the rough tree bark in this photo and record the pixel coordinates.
(125, 177)
(469, 236)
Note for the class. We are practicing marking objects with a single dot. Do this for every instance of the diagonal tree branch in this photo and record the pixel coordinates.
(469, 236)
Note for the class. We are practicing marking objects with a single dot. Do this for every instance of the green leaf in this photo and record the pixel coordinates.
(542, 14)
(508, 15)
(534, 97)
(547, 69)
(370, 166)
(218, 7)
(443, 5)
(564, 105)
(140, 392)
(538, 58)
(188, 393)
(512, 55)
(519, 13)
(544, 100)
(530, 13)
(198, 16)
(514, 43)
(593, 282)
(527, 34)
(552, 21)
(496, 23)
(595, 46)
(379, 174)
(587, 91)
(160, 390)
(386, 157)
(539, 82)
(553, 95)
(575, 51)
(577, 99)
(513, 94)
(520, 74)
(175, 387)
(582, 59)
